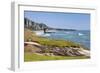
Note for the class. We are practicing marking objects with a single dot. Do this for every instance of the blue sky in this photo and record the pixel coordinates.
(77, 21)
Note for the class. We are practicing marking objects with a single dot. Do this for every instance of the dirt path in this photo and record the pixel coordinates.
(32, 43)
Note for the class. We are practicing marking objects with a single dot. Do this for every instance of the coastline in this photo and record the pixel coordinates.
(81, 37)
(38, 33)
(50, 49)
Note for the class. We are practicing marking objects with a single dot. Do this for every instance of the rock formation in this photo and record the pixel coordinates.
(33, 25)
(30, 24)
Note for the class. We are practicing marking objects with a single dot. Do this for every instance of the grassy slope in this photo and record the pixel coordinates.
(30, 36)
(35, 57)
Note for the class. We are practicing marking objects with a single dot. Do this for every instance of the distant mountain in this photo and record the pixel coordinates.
(30, 24)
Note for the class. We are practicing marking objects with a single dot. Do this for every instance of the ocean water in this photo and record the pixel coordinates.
(80, 36)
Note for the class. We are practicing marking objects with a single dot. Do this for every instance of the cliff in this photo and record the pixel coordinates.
(30, 24)
(33, 25)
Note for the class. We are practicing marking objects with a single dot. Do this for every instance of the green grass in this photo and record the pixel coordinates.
(34, 57)
(29, 56)
(57, 43)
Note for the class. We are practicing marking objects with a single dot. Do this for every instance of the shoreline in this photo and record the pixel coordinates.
(46, 49)
(41, 32)
(49, 34)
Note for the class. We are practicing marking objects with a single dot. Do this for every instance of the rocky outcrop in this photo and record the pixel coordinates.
(33, 25)
(68, 51)
(60, 51)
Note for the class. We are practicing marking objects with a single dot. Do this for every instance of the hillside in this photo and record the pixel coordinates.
(39, 48)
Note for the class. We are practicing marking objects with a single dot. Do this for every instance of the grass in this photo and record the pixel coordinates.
(34, 57)
(29, 56)
(58, 43)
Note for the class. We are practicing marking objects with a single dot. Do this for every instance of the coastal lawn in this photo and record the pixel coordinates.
(30, 36)
(34, 57)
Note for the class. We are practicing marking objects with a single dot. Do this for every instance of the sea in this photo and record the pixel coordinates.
(79, 36)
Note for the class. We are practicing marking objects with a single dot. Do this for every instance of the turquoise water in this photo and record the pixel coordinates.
(82, 36)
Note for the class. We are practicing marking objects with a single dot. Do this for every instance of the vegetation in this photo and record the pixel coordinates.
(30, 36)
(33, 53)
(34, 57)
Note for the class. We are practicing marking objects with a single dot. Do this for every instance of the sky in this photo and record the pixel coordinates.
(79, 21)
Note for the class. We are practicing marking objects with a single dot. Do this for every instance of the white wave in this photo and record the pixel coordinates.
(80, 34)
(39, 32)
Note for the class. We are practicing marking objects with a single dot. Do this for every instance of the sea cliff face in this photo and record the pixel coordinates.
(33, 25)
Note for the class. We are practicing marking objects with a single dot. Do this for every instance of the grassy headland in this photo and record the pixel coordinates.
(49, 49)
